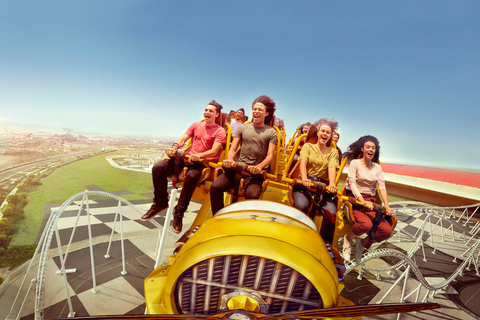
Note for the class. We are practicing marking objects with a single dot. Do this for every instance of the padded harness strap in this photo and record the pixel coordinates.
(325, 213)
(375, 222)
(238, 178)
(176, 169)
(316, 199)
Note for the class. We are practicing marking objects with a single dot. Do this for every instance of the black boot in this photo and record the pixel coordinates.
(177, 222)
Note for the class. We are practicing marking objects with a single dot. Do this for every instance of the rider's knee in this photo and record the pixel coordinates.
(362, 226)
(367, 224)
(193, 175)
(330, 206)
(253, 191)
(301, 201)
(160, 167)
(302, 204)
(217, 187)
(384, 231)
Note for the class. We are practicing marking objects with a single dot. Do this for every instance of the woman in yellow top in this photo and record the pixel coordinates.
(319, 162)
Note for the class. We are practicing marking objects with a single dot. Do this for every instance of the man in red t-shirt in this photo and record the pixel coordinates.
(207, 142)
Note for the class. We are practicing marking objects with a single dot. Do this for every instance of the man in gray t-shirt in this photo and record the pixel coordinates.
(255, 142)
(258, 143)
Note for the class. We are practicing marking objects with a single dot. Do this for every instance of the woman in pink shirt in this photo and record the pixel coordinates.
(363, 176)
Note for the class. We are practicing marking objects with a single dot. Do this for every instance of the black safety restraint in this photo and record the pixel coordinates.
(375, 222)
(176, 169)
(238, 179)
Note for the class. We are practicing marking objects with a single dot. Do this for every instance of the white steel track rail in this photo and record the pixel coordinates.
(42, 251)
(453, 231)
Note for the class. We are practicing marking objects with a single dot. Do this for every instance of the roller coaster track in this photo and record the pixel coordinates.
(43, 248)
(440, 228)
(451, 230)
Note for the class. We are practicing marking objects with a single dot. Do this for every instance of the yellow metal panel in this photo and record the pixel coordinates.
(308, 265)
(284, 229)
(154, 298)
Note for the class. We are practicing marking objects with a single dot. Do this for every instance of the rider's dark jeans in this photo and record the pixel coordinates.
(161, 170)
(226, 181)
(302, 198)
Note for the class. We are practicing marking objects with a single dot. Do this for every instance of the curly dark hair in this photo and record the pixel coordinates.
(329, 122)
(355, 149)
(269, 104)
(216, 105)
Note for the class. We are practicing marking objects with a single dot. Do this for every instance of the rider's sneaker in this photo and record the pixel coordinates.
(346, 249)
(177, 223)
(153, 211)
(358, 250)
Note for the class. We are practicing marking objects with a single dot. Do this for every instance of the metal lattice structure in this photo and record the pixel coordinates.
(42, 252)
(451, 230)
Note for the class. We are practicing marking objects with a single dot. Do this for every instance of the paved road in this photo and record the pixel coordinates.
(6, 174)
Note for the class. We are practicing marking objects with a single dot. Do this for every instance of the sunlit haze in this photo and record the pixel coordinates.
(407, 72)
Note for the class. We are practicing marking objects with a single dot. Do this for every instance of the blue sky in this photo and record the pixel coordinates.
(407, 72)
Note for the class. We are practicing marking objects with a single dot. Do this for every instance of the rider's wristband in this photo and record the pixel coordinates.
(175, 145)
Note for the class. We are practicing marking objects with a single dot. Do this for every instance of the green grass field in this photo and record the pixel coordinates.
(71, 179)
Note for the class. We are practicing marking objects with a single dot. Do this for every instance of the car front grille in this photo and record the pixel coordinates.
(200, 288)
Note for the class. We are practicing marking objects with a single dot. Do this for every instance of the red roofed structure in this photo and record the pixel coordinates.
(463, 178)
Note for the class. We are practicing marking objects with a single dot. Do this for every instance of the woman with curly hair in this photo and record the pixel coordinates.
(319, 162)
(302, 129)
(364, 174)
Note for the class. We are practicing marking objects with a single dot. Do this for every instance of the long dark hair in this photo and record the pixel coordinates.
(355, 149)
